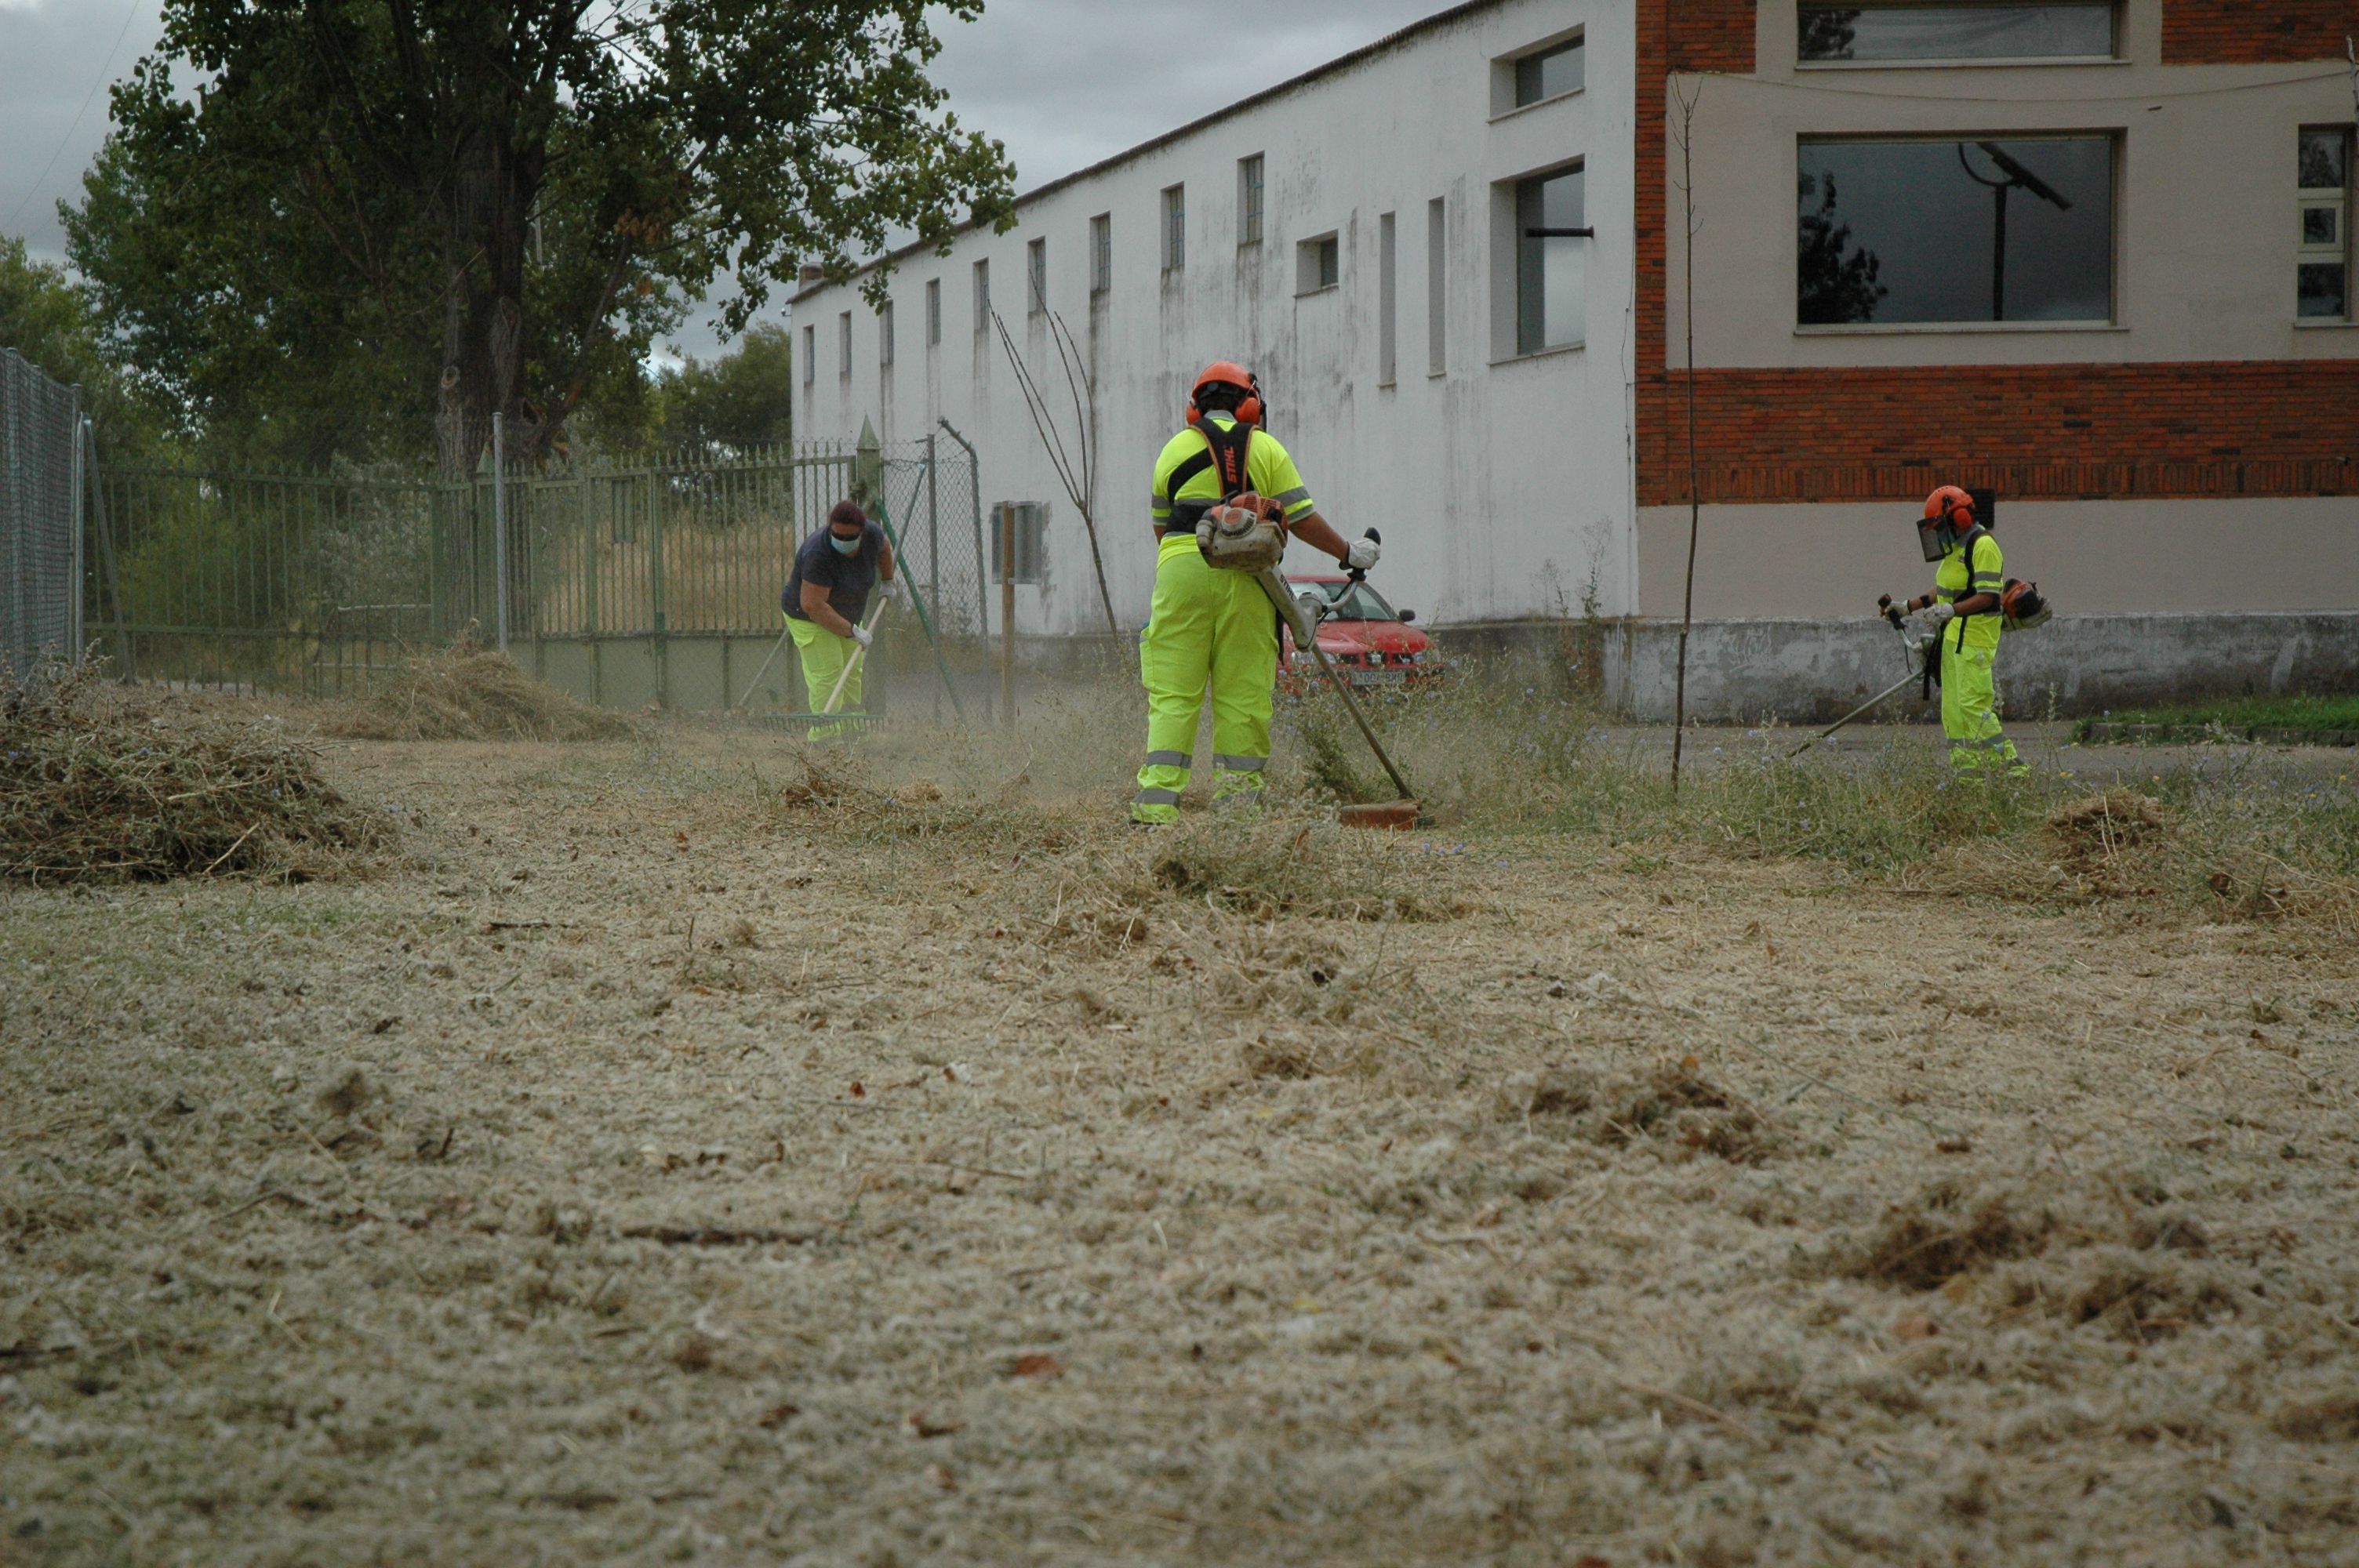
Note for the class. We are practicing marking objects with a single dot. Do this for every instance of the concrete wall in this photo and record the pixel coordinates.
(2089, 556)
(1813, 671)
(1502, 485)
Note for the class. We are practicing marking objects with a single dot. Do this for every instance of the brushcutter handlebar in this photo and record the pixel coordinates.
(1360, 574)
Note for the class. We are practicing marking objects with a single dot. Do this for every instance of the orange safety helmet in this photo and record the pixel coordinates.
(1949, 517)
(1228, 373)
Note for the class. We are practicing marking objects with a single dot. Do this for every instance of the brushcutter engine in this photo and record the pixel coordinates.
(1246, 532)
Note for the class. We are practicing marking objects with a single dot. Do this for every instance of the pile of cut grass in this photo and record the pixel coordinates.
(96, 786)
(470, 692)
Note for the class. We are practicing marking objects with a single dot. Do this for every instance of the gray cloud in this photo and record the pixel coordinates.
(1062, 83)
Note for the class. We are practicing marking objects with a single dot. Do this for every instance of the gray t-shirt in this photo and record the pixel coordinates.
(847, 579)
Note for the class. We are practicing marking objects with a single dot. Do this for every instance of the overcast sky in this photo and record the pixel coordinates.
(1062, 83)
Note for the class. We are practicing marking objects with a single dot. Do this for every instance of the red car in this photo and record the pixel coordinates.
(1369, 643)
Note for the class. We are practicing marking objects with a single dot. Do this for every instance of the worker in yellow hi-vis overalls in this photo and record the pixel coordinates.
(1209, 628)
(1965, 610)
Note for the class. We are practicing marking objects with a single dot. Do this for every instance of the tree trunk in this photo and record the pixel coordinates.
(483, 322)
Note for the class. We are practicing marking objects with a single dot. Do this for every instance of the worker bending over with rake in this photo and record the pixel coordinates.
(1211, 628)
(835, 570)
(1966, 612)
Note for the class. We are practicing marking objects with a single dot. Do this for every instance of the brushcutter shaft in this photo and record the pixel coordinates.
(1306, 635)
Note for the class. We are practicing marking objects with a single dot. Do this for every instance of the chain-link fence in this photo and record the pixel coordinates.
(318, 582)
(40, 517)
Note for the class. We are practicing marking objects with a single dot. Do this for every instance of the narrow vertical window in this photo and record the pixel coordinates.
(1249, 200)
(1102, 253)
(811, 353)
(885, 336)
(2322, 268)
(933, 311)
(1175, 228)
(1036, 278)
(843, 345)
(981, 298)
(1550, 278)
(1387, 304)
(1437, 341)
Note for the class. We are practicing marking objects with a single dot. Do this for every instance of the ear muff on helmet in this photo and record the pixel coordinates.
(1251, 407)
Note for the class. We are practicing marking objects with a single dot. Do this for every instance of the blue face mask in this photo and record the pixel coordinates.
(845, 546)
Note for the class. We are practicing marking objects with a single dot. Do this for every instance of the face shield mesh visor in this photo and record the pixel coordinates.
(1936, 536)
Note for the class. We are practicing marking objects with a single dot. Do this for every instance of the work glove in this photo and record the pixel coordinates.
(1361, 555)
(890, 590)
(861, 634)
(1940, 615)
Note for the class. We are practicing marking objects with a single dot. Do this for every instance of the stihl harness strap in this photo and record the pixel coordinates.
(1226, 448)
(1974, 535)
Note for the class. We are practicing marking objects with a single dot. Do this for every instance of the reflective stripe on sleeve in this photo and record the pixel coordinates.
(1297, 502)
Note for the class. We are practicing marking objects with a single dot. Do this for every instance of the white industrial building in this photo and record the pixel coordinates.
(2151, 356)
(1353, 235)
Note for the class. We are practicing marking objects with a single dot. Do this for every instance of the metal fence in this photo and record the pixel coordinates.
(318, 582)
(41, 516)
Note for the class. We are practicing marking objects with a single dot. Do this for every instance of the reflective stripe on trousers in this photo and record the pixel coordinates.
(1210, 631)
(1969, 710)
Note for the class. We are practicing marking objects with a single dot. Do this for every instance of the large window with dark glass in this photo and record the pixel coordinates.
(1550, 73)
(1550, 274)
(1831, 34)
(1900, 232)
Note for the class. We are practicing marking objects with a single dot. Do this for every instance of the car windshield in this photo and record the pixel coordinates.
(1355, 602)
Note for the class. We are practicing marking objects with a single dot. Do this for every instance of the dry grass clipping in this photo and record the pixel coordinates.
(470, 693)
(96, 788)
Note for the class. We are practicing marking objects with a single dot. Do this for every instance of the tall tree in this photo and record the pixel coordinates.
(47, 320)
(725, 406)
(499, 204)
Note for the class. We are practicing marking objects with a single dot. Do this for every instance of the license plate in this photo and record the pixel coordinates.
(1379, 677)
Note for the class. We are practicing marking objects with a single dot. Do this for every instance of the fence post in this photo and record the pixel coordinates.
(74, 638)
(500, 526)
(1006, 512)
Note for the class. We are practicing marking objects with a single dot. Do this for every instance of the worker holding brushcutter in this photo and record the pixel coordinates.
(835, 571)
(1213, 628)
(1966, 611)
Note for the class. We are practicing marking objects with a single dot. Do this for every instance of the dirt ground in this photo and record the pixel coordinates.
(656, 1162)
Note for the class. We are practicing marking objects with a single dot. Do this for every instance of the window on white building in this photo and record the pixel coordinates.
(1550, 73)
(1025, 525)
(933, 312)
(1249, 199)
(1551, 273)
(1318, 264)
(2322, 271)
(1102, 253)
(1036, 278)
(811, 353)
(1903, 233)
(981, 298)
(1175, 228)
(1388, 303)
(1834, 34)
(885, 335)
(843, 345)
(1437, 292)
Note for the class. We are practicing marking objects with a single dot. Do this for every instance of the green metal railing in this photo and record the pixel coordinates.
(319, 582)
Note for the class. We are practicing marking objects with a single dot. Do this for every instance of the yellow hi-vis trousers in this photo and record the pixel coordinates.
(1970, 708)
(1208, 628)
(824, 655)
